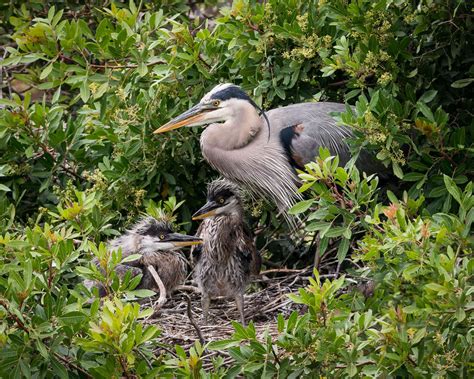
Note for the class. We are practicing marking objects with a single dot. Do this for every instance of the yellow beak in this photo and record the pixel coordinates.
(204, 215)
(173, 124)
(192, 116)
(186, 243)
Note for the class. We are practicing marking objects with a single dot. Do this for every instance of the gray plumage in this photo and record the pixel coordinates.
(156, 243)
(228, 257)
(261, 151)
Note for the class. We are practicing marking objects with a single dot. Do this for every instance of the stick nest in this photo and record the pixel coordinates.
(264, 300)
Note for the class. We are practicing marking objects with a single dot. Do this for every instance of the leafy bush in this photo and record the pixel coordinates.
(411, 316)
(83, 87)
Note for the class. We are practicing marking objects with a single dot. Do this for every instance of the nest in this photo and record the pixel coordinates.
(180, 318)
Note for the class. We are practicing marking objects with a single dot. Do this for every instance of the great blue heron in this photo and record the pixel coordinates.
(159, 247)
(227, 257)
(260, 150)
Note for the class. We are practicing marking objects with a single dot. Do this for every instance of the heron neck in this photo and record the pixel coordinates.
(223, 233)
(235, 133)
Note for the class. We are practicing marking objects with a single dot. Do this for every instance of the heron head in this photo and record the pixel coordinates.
(222, 103)
(159, 235)
(223, 199)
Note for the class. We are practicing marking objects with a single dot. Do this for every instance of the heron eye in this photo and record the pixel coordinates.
(216, 103)
(162, 236)
(221, 200)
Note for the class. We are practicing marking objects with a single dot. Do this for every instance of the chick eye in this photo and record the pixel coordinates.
(221, 200)
(216, 103)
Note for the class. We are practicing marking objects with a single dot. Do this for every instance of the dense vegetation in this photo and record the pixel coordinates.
(84, 86)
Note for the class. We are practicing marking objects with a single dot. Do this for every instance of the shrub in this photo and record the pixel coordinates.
(83, 87)
(411, 312)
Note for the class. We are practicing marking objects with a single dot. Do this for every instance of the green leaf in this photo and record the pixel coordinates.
(42, 349)
(441, 290)
(51, 13)
(428, 96)
(426, 111)
(336, 231)
(223, 344)
(85, 91)
(58, 368)
(280, 93)
(4, 188)
(101, 90)
(452, 189)
(413, 176)
(343, 249)
(143, 293)
(460, 314)
(46, 71)
(142, 69)
(301, 207)
(57, 17)
(131, 258)
(462, 83)
(9, 103)
(74, 317)
(397, 170)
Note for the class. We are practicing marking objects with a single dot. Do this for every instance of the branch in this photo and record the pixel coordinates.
(193, 322)
(72, 365)
(107, 65)
(13, 316)
(282, 270)
(188, 288)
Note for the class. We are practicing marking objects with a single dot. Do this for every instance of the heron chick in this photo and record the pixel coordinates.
(227, 258)
(158, 246)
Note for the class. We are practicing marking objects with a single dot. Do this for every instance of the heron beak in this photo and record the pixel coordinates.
(208, 210)
(192, 116)
(182, 240)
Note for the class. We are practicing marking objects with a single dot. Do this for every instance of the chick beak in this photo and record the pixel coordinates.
(183, 240)
(208, 210)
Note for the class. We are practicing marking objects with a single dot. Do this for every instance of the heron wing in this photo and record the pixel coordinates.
(304, 128)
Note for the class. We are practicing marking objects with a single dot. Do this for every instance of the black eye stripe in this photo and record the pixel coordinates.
(224, 194)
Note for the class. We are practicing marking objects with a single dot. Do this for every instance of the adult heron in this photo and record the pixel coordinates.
(260, 150)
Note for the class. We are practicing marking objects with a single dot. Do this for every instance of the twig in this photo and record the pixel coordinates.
(339, 83)
(268, 263)
(188, 288)
(275, 355)
(72, 365)
(161, 286)
(283, 270)
(14, 317)
(145, 358)
(193, 322)
(317, 255)
(278, 306)
(109, 66)
(169, 351)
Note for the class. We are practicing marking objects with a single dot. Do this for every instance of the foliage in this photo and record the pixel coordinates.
(340, 200)
(414, 321)
(49, 325)
(83, 87)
